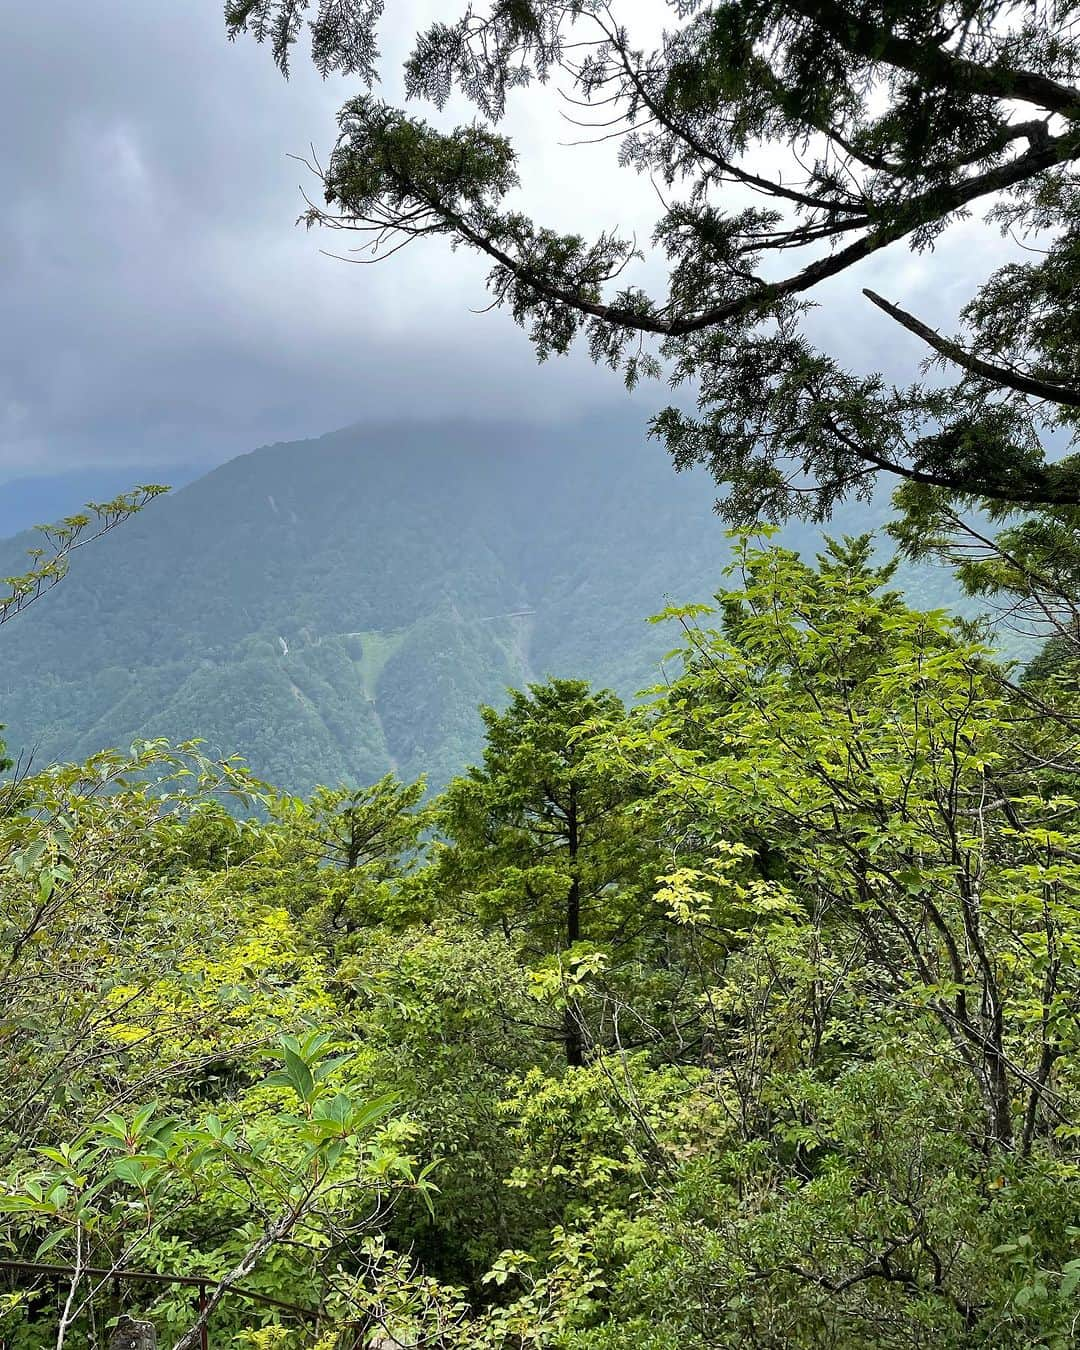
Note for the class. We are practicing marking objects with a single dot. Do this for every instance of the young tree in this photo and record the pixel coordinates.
(874, 750)
(344, 854)
(546, 843)
(890, 119)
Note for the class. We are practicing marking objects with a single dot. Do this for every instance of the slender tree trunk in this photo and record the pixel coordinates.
(572, 1037)
(1000, 1096)
(76, 1275)
(992, 1028)
(277, 1231)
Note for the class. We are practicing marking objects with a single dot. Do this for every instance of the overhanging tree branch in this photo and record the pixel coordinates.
(930, 60)
(928, 206)
(1054, 390)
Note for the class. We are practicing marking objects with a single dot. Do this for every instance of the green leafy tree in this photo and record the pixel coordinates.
(445, 1012)
(867, 743)
(546, 844)
(142, 988)
(893, 1152)
(825, 130)
(49, 563)
(347, 851)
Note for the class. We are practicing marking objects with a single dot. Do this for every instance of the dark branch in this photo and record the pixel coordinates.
(928, 206)
(1054, 390)
(930, 61)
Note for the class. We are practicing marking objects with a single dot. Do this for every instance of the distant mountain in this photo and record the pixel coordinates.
(333, 608)
(42, 498)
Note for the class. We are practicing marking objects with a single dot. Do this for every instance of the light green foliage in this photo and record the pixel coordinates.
(101, 1197)
(866, 1219)
(746, 1017)
(346, 851)
(537, 1304)
(49, 562)
(144, 963)
(597, 1137)
(864, 741)
(894, 1051)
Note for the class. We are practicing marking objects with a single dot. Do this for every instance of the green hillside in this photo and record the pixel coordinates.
(333, 608)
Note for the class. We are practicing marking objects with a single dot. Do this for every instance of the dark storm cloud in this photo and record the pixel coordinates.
(160, 308)
(158, 302)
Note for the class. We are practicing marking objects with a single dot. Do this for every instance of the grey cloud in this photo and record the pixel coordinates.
(160, 308)
(158, 303)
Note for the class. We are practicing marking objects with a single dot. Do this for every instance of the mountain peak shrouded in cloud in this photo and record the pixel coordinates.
(339, 607)
(335, 608)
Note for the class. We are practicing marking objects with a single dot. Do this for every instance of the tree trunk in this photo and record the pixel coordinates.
(572, 1036)
(130, 1334)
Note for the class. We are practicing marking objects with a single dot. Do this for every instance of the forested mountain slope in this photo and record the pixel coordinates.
(333, 608)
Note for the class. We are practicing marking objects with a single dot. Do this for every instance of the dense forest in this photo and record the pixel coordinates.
(746, 1014)
(745, 1017)
(335, 609)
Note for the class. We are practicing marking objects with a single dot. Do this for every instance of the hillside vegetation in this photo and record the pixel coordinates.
(492, 1007)
(747, 1017)
(338, 608)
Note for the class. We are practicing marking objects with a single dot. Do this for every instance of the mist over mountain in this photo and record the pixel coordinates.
(333, 608)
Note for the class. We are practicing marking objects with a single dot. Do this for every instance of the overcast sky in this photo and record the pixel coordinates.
(160, 305)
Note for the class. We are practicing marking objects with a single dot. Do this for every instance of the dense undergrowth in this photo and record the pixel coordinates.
(747, 1017)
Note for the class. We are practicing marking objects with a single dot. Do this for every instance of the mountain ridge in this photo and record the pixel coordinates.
(335, 608)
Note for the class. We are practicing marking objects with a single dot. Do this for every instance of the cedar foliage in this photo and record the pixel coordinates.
(889, 121)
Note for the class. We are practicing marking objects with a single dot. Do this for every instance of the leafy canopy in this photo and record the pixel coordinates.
(745, 1017)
